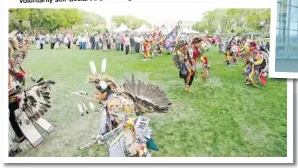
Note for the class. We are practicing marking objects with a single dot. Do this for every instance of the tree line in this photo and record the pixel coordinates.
(51, 20)
(240, 20)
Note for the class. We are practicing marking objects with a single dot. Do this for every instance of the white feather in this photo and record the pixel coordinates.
(103, 65)
(92, 67)
(85, 107)
(92, 107)
(81, 109)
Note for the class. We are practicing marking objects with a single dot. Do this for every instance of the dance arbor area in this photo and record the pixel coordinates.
(219, 117)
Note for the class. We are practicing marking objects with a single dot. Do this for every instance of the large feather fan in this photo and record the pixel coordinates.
(178, 57)
(178, 60)
(37, 99)
(147, 97)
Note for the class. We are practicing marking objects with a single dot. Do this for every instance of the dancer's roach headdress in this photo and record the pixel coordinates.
(196, 40)
(101, 81)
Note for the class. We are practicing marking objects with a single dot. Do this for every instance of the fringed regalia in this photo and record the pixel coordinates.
(197, 55)
(122, 128)
(26, 104)
(230, 53)
(157, 41)
(255, 67)
(146, 49)
(206, 68)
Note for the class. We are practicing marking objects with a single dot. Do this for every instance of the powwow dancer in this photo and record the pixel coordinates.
(146, 49)
(184, 61)
(126, 133)
(206, 68)
(197, 52)
(157, 40)
(230, 55)
(254, 67)
(26, 104)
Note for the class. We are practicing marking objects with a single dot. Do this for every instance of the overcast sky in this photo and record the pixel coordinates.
(161, 11)
(153, 12)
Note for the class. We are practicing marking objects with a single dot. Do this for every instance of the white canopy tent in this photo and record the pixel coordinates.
(193, 31)
(189, 31)
(142, 29)
(186, 31)
(121, 28)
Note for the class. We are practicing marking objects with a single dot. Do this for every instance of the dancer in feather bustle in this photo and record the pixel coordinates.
(26, 105)
(186, 62)
(127, 133)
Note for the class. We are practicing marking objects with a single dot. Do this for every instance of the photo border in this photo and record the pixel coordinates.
(6, 159)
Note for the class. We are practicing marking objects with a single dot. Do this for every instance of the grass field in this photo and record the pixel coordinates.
(220, 117)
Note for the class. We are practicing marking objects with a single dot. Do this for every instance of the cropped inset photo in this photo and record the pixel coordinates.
(101, 82)
(286, 56)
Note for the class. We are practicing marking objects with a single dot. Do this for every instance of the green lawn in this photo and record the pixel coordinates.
(221, 117)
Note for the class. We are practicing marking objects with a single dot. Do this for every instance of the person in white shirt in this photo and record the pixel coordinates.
(138, 44)
(97, 42)
(37, 40)
(66, 41)
(42, 41)
(83, 41)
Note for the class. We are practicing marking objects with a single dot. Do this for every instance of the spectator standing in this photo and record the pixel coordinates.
(126, 44)
(100, 41)
(57, 42)
(83, 42)
(42, 41)
(132, 44)
(52, 41)
(96, 38)
(109, 42)
(138, 44)
(122, 42)
(92, 41)
(118, 42)
(104, 43)
(65, 41)
(37, 39)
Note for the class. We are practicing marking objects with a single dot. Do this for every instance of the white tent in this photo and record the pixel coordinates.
(121, 28)
(142, 29)
(185, 31)
(193, 32)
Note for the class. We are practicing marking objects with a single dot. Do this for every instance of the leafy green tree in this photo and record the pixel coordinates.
(43, 19)
(240, 20)
(93, 20)
(201, 26)
(131, 21)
